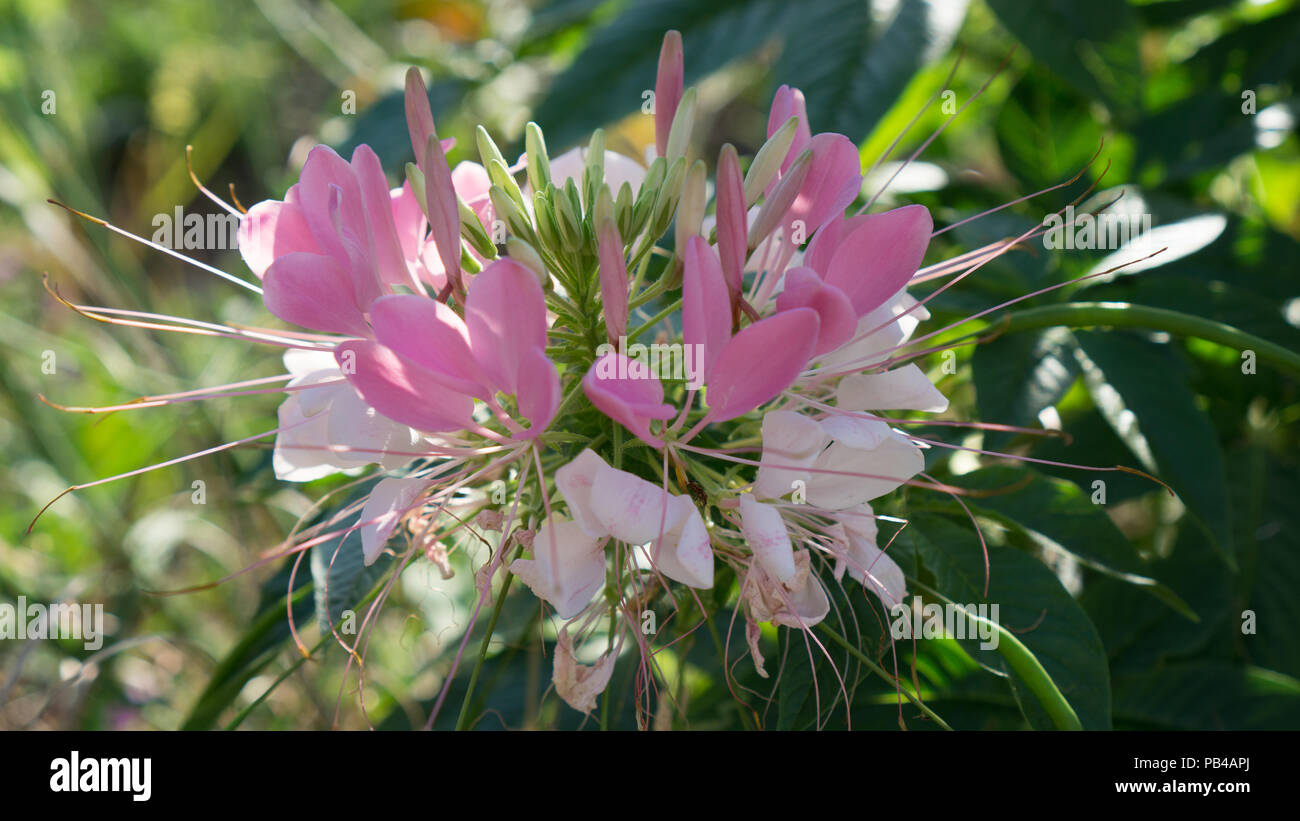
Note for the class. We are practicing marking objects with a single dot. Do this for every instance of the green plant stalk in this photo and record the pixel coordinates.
(653, 321)
(1126, 315)
(1026, 665)
(462, 720)
(244, 713)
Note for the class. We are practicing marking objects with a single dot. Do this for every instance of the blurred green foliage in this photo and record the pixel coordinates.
(1194, 100)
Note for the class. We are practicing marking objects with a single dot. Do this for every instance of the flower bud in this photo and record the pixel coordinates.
(623, 210)
(691, 205)
(473, 231)
(768, 160)
(679, 136)
(416, 178)
(515, 218)
(539, 162)
(604, 208)
(666, 202)
(487, 150)
(526, 255)
(499, 174)
(783, 196)
(547, 231)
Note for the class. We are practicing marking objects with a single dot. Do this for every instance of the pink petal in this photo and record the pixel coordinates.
(390, 263)
(631, 399)
(444, 213)
(833, 181)
(733, 222)
(824, 244)
(419, 117)
(786, 103)
(880, 256)
(313, 291)
(323, 171)
(472, 184)
(505, 311)
(431, 335)
(270, 230)
(760, 362)
(402, 390)
(706, 312)
(613, 280)
(408, 217)
(804, 289)
(668, 88)
(539, 392)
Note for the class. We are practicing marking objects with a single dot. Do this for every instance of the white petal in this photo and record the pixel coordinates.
(566, 569)
(684, 555)
(861, 432)
(300, 453)
(388, 502)
(892, 462)
(765, 533)
(300, 361)
(574, 481)
(881, 573)
(788, 439)
(905, 388)
(629, 508)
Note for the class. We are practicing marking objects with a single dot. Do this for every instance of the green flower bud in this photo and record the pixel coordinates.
(768, 160)
(679, 136)
(539, 163)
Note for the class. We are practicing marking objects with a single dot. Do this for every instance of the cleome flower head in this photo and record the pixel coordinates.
(663, 415)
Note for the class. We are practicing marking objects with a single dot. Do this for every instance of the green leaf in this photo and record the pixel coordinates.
(1018, 375)
(607, 79)
(1093, 46)
(1043, 626)
(1207, 696)
(1142, 390)
(852, 70)
(1058, 513)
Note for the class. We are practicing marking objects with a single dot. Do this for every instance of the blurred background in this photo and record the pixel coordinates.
(1194, 100)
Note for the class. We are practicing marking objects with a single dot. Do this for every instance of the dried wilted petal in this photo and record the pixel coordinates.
(579, 684)
(799, 602)
(752, 634)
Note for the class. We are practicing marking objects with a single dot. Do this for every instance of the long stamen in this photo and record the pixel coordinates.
(157, 247)
(189, 166)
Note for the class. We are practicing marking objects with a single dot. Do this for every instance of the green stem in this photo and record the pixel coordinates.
(653, 321)
(1125, 315)
(1026, 665)
(462, 720)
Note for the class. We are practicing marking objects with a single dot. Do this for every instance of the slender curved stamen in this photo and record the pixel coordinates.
(163, 248)
(189, 166)
(940, 129)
